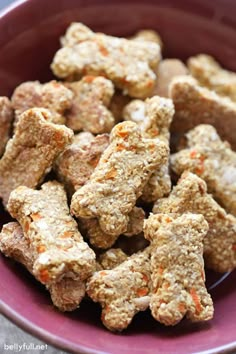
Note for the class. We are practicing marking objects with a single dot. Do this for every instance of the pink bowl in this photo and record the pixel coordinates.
(29, 33)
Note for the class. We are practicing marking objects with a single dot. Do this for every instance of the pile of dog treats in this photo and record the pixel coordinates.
(119, 219)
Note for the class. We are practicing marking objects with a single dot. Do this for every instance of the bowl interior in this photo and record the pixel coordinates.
(29, 36)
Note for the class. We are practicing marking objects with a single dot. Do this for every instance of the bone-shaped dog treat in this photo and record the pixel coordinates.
(128, 64)
(212, 160)
(89, 112)
(29, 155)
(122, 291)
(210, 74)
(190, 195)
(119, 178)
(67, 294)
(98, 238)
(112, 258)
(167, 70)
(177, 268)
(154, 117)
(76, 163)
(6, 118)
(58, 247)
(195, 105)
(53, 95)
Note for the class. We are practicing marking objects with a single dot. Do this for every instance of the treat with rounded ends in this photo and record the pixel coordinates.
(29, 155)
(89, 112)
(209, 73)
(57, 246)
(211, 159)
(154, 117)
(77, 162)
(167, 70)
(66, 294)
(190, 196)
(98, 238)
(112, 258)
(122, 291)
(128, 64)
(177, 268)
(195, 105)
(148, 35)
(53, 95)
(119, 178)
(117, 104)
(6, 118)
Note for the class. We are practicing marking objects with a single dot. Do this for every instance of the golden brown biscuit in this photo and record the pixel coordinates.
(128, 64)
(57, 246)
(190, 196)
(177, 268)
(29, 155)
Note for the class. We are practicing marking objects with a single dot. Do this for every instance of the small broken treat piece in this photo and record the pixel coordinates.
(148, 35)
(190, 196)
(66, 294)
(29, 155)
(167, 70)
(128, 64)
(112, 258)
(177, 268)
(117, 105)
(122, 291)
(213, 160)
(195, 105)
(53, 95)
(6, 118)
(210, 74)
(119, 178)
(89, 112)
(57, 246)
(77, 162)
(100, 239)
(154, 117)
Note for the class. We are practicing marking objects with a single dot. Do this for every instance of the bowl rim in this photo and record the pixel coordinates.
(44, 335)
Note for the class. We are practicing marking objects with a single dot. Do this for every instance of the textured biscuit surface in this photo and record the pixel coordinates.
(177, 268)
(190, 196)
(57, 245)
(89, 110)
(6, 118)
(122, 291)
(128, 64)
(66, 294)
(212, 160)
(154, 117)
(53, 95)
(119, 178)
(77, 162)
(112, 258)
(210, 74)
(29, 155)
(195, 105)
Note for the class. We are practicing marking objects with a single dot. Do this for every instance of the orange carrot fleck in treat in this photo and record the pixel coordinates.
(122, 133)
(154, 132)
(44, 276)
(36, 216)
(102, 49)
(167, 219)
(89, 78)
(120, 147)
(196, 300)
(111, 174)
(26, 226)
(41, 249)
(193, 154)
(145, 278)
(103, 273)
(150, 83)
(142, 292)
(182, 307)
(67, 234)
